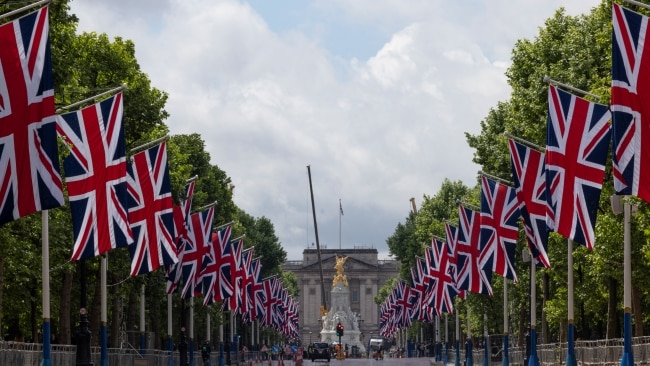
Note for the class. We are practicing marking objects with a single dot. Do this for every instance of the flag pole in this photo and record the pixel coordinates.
(532, 359)
(340, 215)
(495, 178)
(191, 331)
(457, 361)
(522, 141)
(45, 268)
(506, 360)
(637, 3)
(469, 357)
(170, 340)
(143, 335)
(548, 80)
(627, 358)
(570, 356)
(149, 144)
(103, 361)
(112, 91)
(24, 8)
(222, 226)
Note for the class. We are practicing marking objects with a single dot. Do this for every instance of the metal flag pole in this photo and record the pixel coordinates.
(548, 80)
(103, 361)
(506, 360)
(532, 359)
(143, 335)
(469, 357)
(638, 3)
(522, 141)
(45, 268)
(486, 341)
(148, 145)
(340, 215)
(570, 355)
(170, 340)
(112, 91)
(24, 8)
(627, 358)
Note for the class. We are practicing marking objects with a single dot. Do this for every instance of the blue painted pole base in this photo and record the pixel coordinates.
(170, 348)
(103, 360)
(486, 351)
(533, 360)
(628, 356)
(457, 362)
(221, 359)
(47, 360)
(469, 357)
(506, 358)
(570, 354)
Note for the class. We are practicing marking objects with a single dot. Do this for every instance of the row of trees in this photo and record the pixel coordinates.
(85, 65)
(577, 51)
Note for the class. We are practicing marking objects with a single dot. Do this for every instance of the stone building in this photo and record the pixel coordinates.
(366, 274)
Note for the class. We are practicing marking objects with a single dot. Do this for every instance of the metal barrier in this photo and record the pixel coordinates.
(588, 353)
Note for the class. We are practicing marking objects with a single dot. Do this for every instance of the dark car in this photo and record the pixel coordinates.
(320, 351)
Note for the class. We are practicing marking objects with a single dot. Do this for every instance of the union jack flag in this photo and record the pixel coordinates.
(443, 290)
(96, 176)
(181, 224)
(195, 251)
(421, 285)
(578, 139)
(499, 227)
(255, 291)
(245, 280)
(217, 285)
(29, 163)
(529, 173)
(271, 291)
(630, 93)
(469, 254)
(150, 211)
(233, 302)
(451, 236)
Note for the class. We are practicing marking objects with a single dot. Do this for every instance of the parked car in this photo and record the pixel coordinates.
(320, 351)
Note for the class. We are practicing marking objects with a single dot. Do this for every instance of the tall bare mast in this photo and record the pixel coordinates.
(323, 306)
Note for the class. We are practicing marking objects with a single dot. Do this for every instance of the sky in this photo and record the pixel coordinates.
(375, 96)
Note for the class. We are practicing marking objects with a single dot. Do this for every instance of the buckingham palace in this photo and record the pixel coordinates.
(366, 274)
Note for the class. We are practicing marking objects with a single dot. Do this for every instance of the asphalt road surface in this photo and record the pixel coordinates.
(422, 361)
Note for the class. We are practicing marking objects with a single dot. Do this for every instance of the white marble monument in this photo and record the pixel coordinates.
(340, 312)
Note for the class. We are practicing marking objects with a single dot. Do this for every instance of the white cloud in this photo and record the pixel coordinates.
(376, 130)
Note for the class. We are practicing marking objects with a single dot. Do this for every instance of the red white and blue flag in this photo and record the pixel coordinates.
(195, 252)
(529, 173)
(233, 301)
(150, 211)
(451, 237)
(181, 225)
(271, 291)
(469, 254)
(215, 275)
(630, 108)
(578, 139)
(96, 177)
(443, 289)
(499, 227)
(29, 161)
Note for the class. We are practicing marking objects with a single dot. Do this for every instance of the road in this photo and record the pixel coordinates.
(423, 361)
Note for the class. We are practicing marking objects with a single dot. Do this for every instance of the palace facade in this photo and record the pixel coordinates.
(365, 273)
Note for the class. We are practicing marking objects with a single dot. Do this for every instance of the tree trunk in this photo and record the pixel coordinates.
(32, 313)
(637, 311)
(611, 308)
(155, 321)
(132, 310)
(65, 310)
(523, 321)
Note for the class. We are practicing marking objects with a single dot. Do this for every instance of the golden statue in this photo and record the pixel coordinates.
(340, 261)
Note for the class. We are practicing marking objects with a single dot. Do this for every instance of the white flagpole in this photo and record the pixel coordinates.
(340, 215)
(45, 268)
(104, 313)
(570, 356)
(143, 335)
(191, 331)
(533, 360)
(170, 341)
(506, 361)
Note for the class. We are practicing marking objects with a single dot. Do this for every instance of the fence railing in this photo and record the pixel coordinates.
(594, 353)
